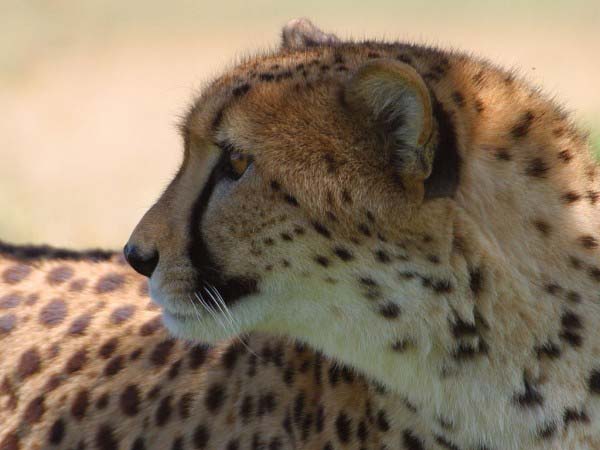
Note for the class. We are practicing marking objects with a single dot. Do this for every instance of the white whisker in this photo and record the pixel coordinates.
(210, 310)
(218, 299)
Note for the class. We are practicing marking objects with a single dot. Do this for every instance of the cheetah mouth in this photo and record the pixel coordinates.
(217, 292)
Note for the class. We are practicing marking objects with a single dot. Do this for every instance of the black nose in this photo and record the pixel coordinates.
(142, 264)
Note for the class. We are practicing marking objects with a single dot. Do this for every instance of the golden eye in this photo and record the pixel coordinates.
(238, 164)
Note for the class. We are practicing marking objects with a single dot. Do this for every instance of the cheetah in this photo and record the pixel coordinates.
(368, 245)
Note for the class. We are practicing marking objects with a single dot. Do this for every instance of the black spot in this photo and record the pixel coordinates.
(594, 272)
(571, 324)
(382, 256)
(163, 412)
(53, 313)
(185, 405)
(442, 286)
(177, 444)
(130, 400)
(110, 283)
(343, 254)
(547, 431)
(246, 408)
(530, 397)
(102, 401)
(536, 168)
(364, 229)
(275, 444)
(411, 442)
(161, 352)
(241, 90)
(288, 375)
(154, 392)
(593, 196)
(266, 404)
(588, 242)
(76, 361)
(322, 260)
(382, 421)
(571, 197)
(346, 197)
(460, 329)
(286, 237)
(389, 311)
(80, 404)
(114, 366)
(459, 99)
(80, 324)
(29, 363)
(434, 259)
(548, 350)
(573, 297)
(174, 369)
(138, 444)
(16, 273)
(151, 326)
(35, 410)
(197, 356)
(290, 199)
(343, 427)
(565, 156)
(503, 155)
(400, 345)
(573, 415)
(215, 397)
(571, 321)
(521, 128)
(200, 437)
(479, 106)
(543, 227)
(369, 282)
(447, 444)
(57, 432)
(469, 351)
(266, 76)
(475, 280)
(572, 338)
(321, 229)
(11, 300)
(60, 274)
(330, 162)
(105, 438)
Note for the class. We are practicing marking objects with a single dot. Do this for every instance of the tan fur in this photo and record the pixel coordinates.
(473, 307)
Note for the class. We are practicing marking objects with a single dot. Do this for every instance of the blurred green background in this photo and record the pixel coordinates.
(91, 90)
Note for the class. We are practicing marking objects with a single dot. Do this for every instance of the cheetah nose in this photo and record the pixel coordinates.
(144, 265)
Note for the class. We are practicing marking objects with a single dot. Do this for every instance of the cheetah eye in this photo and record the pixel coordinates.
(237, 164)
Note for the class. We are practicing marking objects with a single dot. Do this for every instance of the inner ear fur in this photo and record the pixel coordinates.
(302, 33)
(395, 96)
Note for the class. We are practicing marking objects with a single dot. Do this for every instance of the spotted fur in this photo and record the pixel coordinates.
(421, 217)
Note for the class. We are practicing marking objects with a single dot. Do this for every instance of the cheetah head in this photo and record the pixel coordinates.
(307, 177)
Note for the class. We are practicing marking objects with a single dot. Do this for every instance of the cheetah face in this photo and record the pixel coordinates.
(292, 203)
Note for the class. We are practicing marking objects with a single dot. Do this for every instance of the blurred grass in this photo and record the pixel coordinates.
(91, 90)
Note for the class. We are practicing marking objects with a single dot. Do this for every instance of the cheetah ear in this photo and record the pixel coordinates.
(301, 33)
(395, 96)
